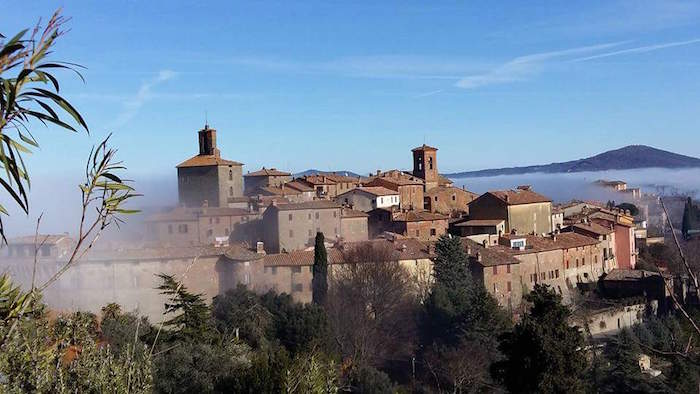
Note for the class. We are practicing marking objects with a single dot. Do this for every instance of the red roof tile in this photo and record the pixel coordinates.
(207, 160)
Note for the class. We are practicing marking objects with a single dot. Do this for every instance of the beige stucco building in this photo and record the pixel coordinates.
(524, 211)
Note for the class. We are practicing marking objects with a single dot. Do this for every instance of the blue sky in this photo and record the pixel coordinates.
(357, 84)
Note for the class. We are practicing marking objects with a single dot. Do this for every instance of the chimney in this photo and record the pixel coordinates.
(207, 142)
(379, 172)
(469, 250)
(478, 257)
(260, 247)
(403, 247)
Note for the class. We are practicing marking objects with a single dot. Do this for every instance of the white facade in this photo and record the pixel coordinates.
(364, 199)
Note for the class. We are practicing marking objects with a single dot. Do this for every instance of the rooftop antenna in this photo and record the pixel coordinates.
(206, 120)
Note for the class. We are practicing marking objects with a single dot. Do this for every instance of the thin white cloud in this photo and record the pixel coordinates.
(642, 49)
(134, 104)
(428, 94)
(525, 67)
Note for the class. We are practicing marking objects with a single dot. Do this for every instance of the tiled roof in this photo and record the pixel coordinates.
(444, 181)
(402, 249)
(268, 172)
(490, 256)
(593, 228)
(373, 190)
(423, 147)
(536, 243)
(276, 191)
(519, 196)
(46, 239)
(207, 160)
(298, 186)
(190, 214)
(480, 223)
(399, 178)
(417, 216)
(352, 213)
(232, 252)
(629, 275)
(328, 178)
(316, 204)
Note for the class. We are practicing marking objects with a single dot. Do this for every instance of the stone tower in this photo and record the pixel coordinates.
(206, 177)
(425, 165)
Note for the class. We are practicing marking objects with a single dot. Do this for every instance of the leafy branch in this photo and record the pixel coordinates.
(24, 99)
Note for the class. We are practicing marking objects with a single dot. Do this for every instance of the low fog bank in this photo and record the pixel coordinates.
(567, 186)
(59, 199)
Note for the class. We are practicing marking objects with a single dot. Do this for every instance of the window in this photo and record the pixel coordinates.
(495, 270)
(381, 200)
(291, 233)
(508, 287)
(298, 287)
(317, 215)
(310, 232)
(433, 232)
(417, 233)
(230, 175)
(430, 163)
(508, 269)
(335, 214)
(576, 263)
(583, 261)
(436, 198)
(218, 220)
(595, 259)
(182, 228)
(290, 217)
(210, 232)
(556, 273)
(542, 276)
(170, 229)
(296, 270)
(230, 191)
(454, 198)
(567, 264)
(309, 215)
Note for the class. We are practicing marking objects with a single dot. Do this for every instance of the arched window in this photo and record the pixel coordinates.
(230, 191)
(230, 175)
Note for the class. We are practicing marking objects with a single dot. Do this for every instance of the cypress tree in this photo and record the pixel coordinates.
(686, 217)
(319, 283)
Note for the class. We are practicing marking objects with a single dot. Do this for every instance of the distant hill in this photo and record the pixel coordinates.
(629, 157)
(314, 171)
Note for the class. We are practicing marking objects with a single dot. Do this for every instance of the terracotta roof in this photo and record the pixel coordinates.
(352, 213)
(519, 196)
(535, 243)
(316, 204)
(417, 216)
(444, 181)
(328, 178)
(298, 186)
(423, 147)
(373, 190)
(403, 249)
(207, 160)
(480, 223)
(233, 252)
(399, 178)
(490, 256)
(191, 214)
(268, 172)
(593, 228)
(276, 191)
(629, 275)
(46, 239)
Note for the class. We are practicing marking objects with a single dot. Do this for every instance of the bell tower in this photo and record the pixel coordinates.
(207, 142)
(425, 165)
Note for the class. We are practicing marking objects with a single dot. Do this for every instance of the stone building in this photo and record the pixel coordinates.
(353, 225)
(41, 245)
(198, 226)
(523, 210)
(409, 187)
(367, 198)
(425, 165)
(292, 272)
(510, 269)
(422, 225)
(127, 276)
(604, 234)
(448, 200)
(263, 178)
(288, 227)
(207, 177)
(329, 185)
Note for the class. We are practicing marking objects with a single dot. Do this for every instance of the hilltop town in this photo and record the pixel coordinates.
(257, 228)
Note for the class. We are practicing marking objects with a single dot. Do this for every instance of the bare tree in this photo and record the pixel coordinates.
(371, 307)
